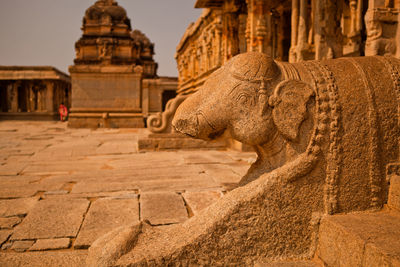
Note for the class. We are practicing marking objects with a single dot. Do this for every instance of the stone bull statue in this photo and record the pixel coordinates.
(324, 132)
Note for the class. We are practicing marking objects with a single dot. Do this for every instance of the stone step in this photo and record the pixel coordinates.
(360, 239)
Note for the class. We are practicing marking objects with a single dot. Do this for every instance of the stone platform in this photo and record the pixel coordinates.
(62, 188)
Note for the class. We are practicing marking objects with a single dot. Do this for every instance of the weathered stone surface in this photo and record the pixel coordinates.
(200, 200)
(14, 207)
(9, 223)
(92, 187)
(370, 239)
(44, 259)
(4, 235)
(221, 173)
(50, 244)
(111, 246)
(52, 218)
(179, 184)
(162, 208)
(287, 264)
(209, 158)
(21, 246)
(394, 192)
(12, 168)
(160, 144)
(117, 147)
(104, 215)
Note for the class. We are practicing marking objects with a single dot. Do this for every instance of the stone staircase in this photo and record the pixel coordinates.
(363, 239)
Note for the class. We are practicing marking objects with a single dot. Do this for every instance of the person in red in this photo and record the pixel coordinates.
(63, 112)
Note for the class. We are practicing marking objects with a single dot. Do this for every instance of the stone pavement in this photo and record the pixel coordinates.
(61, 188)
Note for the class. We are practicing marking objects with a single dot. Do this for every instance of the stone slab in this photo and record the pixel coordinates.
(12, 168)
(44, 259)
(9, 223)
(51, 244)
(394, 192)
(221, 173)
(15, 207)
(104, 215)
(117, 147)
(4, 235)
(21, 246)
(95, 186)
(52, 218)
(200, 200)
(165, 143)
(195, 182)
(304, 263)
(162, 208)
(368, 239)
(212, 157)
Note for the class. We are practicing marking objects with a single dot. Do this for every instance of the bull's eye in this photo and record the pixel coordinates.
(243, 99)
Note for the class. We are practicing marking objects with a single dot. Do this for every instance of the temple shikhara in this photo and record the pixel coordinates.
(114, 78)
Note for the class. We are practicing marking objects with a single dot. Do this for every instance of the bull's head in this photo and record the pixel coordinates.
(247, 97)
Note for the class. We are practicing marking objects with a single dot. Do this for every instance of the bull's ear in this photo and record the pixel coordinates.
(289, 103)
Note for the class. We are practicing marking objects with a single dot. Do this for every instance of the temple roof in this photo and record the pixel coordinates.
(208, 3)
(32, 73)
(107, 9)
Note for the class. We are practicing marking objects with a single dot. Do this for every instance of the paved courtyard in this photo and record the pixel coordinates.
(62, 188)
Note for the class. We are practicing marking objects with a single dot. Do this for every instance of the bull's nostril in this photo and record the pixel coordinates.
(186, 126)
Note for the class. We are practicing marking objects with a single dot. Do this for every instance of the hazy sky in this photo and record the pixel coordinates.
(43, 32)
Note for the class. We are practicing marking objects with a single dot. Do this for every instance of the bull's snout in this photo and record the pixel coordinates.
(186, 125)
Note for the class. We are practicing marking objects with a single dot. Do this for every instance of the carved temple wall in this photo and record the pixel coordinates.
(291, 31)
(33, 92)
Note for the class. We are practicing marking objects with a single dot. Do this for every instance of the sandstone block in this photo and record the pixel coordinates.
(9, 223)
(14, 207)
(200, 200)
(394, 192)
(95, 186)
(21, 246)
(50, 244)
(104, 215)
(40, 259)
(52, 218)
(4, 235)
(369, 239)
(162, 208)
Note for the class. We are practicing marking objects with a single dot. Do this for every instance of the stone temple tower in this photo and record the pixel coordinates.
(111, 62)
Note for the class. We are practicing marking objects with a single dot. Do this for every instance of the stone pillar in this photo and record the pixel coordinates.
(328, 36)
(398, 33)
(14, 102)
(294, 33)
(49, 96)
(242, 33)
(145, 98)
(231, 29)
(380, 18)
(218, 34)
(31, 103)
(302, 31)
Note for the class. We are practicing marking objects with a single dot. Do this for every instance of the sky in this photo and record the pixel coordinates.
(44, 32)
